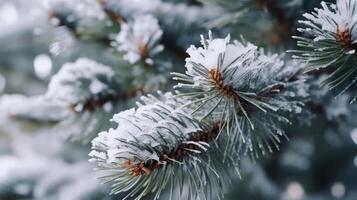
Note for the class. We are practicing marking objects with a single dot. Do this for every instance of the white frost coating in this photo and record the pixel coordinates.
(79, 81)
(208, 55)
(225, 70)
(329, 38)
(139, 39)
(87, 15)
(145, 141)
(246, 70)
(32, 108)
(243, 66)
(176, 18)
(330, 18)
(144, 126)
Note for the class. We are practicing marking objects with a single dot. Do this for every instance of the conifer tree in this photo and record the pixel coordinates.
(177, 99)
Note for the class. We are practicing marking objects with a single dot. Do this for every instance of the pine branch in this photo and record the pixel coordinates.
(244, 89)
(139, 40)
(159, 146)
(32, 109)
(83, 82)
(161, 138)
(136, 44)
(89, 89)
(178, 154)
(64, 14)
(328, 41)
(104, 40)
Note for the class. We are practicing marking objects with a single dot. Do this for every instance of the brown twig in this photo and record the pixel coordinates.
(178, 154)
(344, 39)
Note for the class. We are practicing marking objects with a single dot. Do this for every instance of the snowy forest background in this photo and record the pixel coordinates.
(44, 146)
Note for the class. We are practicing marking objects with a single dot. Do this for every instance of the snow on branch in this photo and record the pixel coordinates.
(329, 39)
(80, 100)
(159, 146)
(32, 109)
(85, 85)
(79, 21)
(243, 88)
(139, 39)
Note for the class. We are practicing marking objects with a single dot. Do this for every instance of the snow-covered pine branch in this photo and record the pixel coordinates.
(81, 98)
(83, 19)
(178, 20)
(85, 85)
(93, 92)
(139, 39)
(329, 36)
(34, 109)
(159, 146)
(230, 88)
(239, 86)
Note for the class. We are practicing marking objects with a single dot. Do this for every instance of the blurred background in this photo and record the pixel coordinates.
(43, 149)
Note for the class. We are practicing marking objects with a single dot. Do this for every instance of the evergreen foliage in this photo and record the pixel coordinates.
(226, 102)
